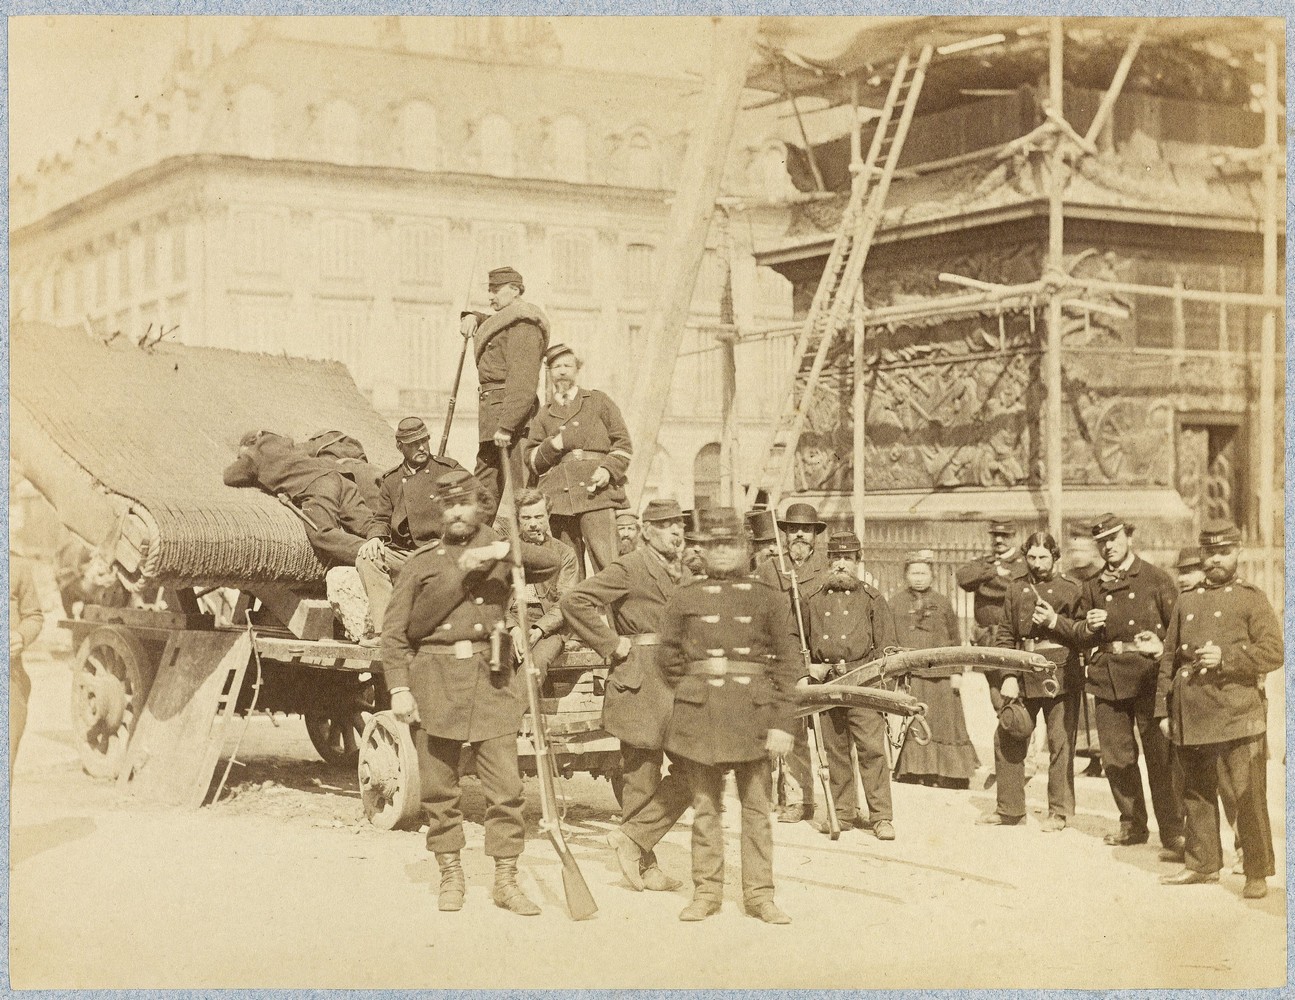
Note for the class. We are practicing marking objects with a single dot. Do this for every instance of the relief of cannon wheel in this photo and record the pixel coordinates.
(111, 677)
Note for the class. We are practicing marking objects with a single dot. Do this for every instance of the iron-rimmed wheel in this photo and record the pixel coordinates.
(390, 777)
(335, 729)
(111, 677)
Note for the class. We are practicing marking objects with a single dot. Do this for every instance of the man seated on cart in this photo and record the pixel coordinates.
(548, 625)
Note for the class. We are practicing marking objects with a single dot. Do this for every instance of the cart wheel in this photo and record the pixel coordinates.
(335, 732)
(111, 677)
(390, 780)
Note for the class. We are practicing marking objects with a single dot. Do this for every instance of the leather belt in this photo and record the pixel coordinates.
(721, 666)
(463, 649)
(645, 639)
(1116, 647)
(578, 454)
(488, 387)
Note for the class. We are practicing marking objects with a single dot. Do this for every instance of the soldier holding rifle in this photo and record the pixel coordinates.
(847, 624)
(448, 665)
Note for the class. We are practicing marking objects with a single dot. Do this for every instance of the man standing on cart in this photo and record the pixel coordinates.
(447, 664)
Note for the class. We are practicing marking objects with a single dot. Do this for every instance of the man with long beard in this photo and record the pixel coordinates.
(801, 528)
(849, 623)
(631, 592)
(449, 602)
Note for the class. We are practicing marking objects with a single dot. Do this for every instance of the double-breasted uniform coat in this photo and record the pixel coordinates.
(1060, 711)
(627, 599)
(847, 628)
(726, 651)
(593, 435)
(1218, 719)
(988, 577)
(436, 643)
(1137, 598)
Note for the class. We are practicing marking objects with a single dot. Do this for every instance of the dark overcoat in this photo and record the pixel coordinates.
(633, 591)
(924, 620)
(405, 505)
(726, 719)
(510, 345)
(591, 422)
(981, 577)
(853, 626)
(1228, 703)
(1018, 628)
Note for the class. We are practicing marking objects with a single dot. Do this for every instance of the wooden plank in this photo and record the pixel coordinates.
(305, 617)
(146, 618)
(170, 758)
(328, 653)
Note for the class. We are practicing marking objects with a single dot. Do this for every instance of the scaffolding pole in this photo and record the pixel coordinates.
(1056, 267)
(859, 404)
(1268, 344)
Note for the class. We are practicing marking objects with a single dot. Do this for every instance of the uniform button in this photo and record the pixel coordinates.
(1108, 597)
(1184, 645)
(1190, 617)
(1131, 622)
(575, 423)
(478, 600)
(1227, 590)
(845, 612)
(827, 614)
(478, 627)
(1131, 595)
(1218, 614)
(447, 626)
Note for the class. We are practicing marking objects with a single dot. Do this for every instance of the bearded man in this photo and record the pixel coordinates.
(548, 626)
(628, 532)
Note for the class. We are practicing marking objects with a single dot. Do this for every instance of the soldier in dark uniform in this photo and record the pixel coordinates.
(801, 530)
(1123, 614)
(988, 578)
(727, 652)
(1032, 613)
(351, 461)
(579, 448)
(510, 345)
(448, 601)
(25, 622)
(341, 521)
(408, 513)
(848, 624)
(628, 532)
(924, 619)
(632, 592)
(1223, 639)
(548, 625)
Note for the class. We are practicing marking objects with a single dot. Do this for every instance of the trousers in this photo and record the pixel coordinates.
(1061, 716)
(796, 780)
(866, 730)
(379, 577)
(651, 804)
(753, 788)
(1117, 724)
(489, 473)
(501, 781)
(1240, 767)
(591, 532)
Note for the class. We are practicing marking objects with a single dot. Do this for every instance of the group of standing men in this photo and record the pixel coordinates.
(1177, 668)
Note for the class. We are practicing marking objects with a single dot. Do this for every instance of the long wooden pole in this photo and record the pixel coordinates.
(728, 477)
(1267, 450)
(1055, 267)
(690, 215)
(859, 484)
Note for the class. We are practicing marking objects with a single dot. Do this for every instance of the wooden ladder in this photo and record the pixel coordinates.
(830, 311)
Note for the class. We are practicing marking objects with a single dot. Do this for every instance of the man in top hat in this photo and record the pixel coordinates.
(510, 345)
(579, 448)
(628, 532)
(989, 576)
(1223, 640)
(801, 529)
(1122, 615)
(730, 658)
(407, 511)
(849, 623)
(447, 665)
(617, 613)
(763, 532)
(1190, 569)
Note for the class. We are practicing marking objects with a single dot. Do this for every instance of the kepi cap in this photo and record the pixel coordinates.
(627, 517)
(801, 514)
(504, 276)
(1189, 558)
(660, 510)
(556, 351)
(411, 429)
(843, 543)
(1015, 720)
(1219, 533)
(919, 556)
(1001, 528)
(1107, 525)
(456, 485)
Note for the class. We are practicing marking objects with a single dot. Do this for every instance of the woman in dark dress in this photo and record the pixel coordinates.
(925, 619)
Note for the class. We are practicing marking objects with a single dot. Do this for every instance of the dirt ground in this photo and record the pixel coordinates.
(284, 884)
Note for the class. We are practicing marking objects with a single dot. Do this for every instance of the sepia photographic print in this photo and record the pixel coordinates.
(647, 502)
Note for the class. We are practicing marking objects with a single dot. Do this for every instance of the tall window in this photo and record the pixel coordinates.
(342, 250)
(495, 137)
(642, 166)
(421, 250)
(706, 477)
(179, 254)
(572, 262)
(640, 264)
(254, 121)
(418, 137)
(570, 154)
(101, 279)
(123, 272)
(343, 330)
(258, 237)
(150, 261)
(339, 128)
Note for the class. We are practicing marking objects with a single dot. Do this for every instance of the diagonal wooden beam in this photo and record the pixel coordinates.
(1112, 94)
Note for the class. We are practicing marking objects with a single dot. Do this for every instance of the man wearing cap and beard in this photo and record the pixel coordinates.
(1190, 569)
(408, 513)
(730, 658)
(628, 532)
(510, 345)
(579, 448)
(1223, 640)
(548, 626)
(1032, 614)
(1122, 616)
(849, 623)
(617, 612)
(440, 667)
(801, 528)
(988, 577)
(925, 619)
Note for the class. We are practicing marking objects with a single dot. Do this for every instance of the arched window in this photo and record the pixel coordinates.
(418, 138)
(495, 138)
(254, 121)
(571, 160)
(705, 477)
(642, 162)
(339, 127)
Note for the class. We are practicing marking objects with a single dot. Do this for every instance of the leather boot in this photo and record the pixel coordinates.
(508, 894)
(453, 885)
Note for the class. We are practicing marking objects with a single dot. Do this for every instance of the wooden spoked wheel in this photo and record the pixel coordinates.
(390, 777)
(111, 676)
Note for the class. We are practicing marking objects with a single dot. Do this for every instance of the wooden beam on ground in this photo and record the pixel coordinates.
(690, 216)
